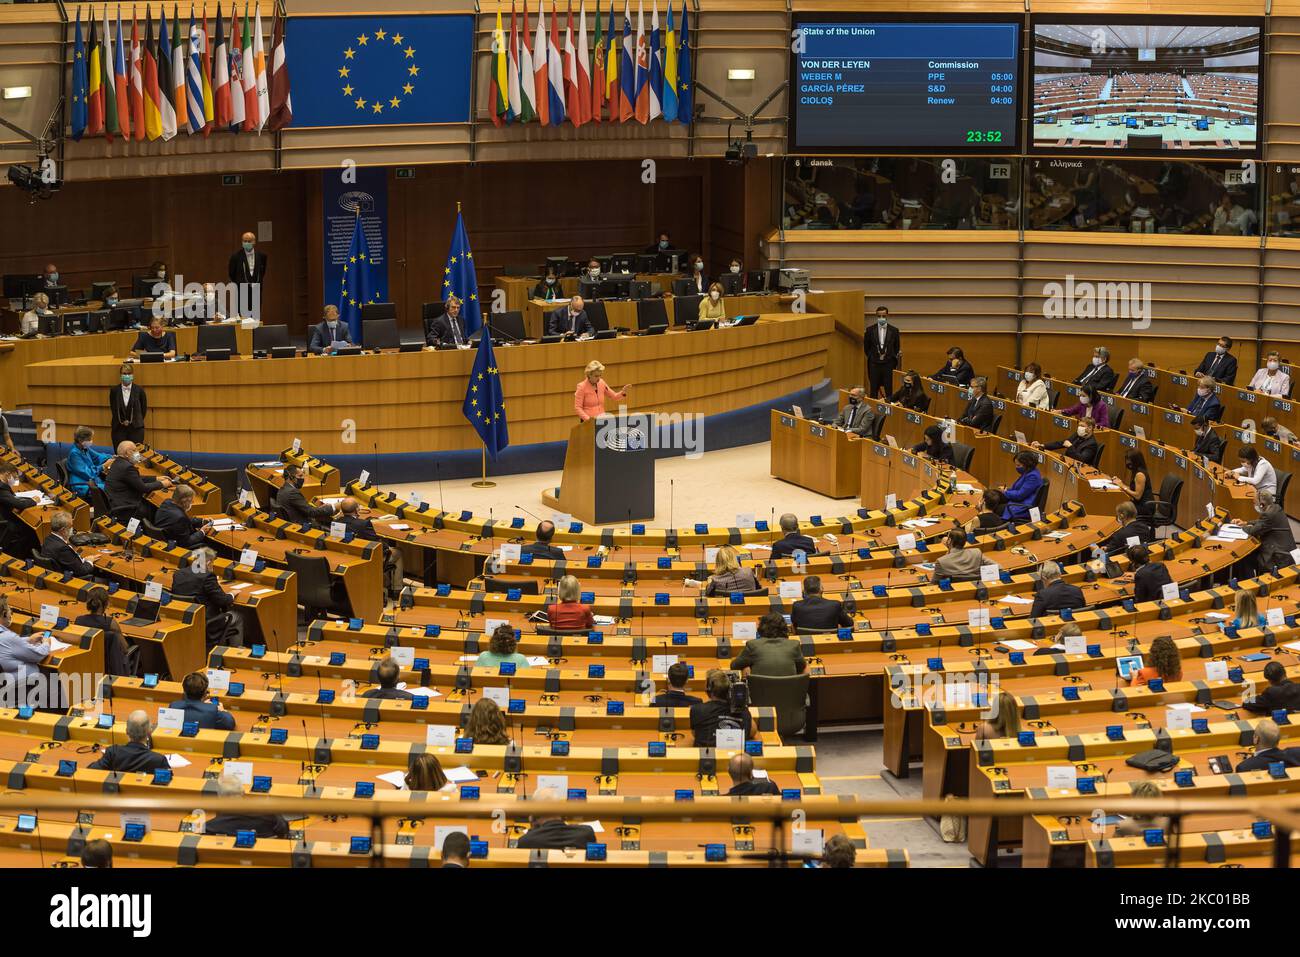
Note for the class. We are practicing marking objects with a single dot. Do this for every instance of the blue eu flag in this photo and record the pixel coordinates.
(459, 280)
(485, 406)
(358, 286)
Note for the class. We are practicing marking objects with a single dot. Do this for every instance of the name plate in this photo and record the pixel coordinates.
(786, 421)
(817, 431)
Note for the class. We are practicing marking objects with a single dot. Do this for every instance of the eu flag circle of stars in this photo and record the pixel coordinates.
(479, 413)
(378, 39)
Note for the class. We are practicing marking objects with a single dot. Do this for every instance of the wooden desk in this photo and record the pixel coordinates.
(621, 313)
(407, 402)
(817, 457)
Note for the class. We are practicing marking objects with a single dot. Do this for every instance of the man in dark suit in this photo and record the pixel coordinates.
(816, 611)
(794, 541)
(206, 714)
(196, 581)
(1273, 531)
(1137, 385)
(980, 411)
(294, 506)
(1149, 578)
(18, 537)
(1219, 364)
(127, 408)
(126, 489)
(883, 345)
(1282, 694)
(1267, 752)
(550, 831)
(1098, 373)
(741, 770)
(1129, 529)
(247, 268)
(857, 416)
(329, 334)
(263, 825)
(387, 672)
(570, 320)
(542, 548)
(364, 529)
(137, 754)
(56, 550)
(178, 527)
(1053, 593)
(675, 695)
(449, 328)
(1207, 443)
(1205, 404)
(455, 850)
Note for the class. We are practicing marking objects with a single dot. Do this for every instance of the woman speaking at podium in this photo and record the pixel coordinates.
(589, 397)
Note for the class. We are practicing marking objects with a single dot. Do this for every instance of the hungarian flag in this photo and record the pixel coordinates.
(166, 85)
(555, 72)
(259, 64)
(512, 66)
(137, 80)
(541, 84)
(569, 57)
(122, 81)
(152, 99)
(642, 85)
(670, 70)
(527, 90)
(584, 64)
(249, 78)
(180, 99)
(236, 74)
(611, 66)
(80, 84)
(598, 77)
(685, 110)
(499, 82)
(656, 64)
(94, 83)
(281, 103)
(220, 77)
(209, 106)
(106, 83)
(626, 70)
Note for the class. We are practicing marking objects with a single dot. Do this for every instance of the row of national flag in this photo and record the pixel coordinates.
(632, 76)
(181, 83)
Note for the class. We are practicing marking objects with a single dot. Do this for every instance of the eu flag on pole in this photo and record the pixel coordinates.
(358, 286)
(485, 406)
(459, 280)
(80, 84)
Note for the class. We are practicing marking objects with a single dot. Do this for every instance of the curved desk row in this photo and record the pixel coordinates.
(411, 402)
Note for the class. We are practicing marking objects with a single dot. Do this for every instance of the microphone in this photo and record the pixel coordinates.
(306, 781)
(374, 474)
(672, 489)
(437, 471)
(530, 514)
(320, 686)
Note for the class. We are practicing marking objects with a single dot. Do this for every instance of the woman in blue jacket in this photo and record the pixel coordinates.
(1022, 495)
(84, 462)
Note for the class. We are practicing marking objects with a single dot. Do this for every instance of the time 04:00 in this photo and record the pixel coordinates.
(983, 136)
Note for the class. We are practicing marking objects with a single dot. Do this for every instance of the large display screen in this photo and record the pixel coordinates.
(872, 84)
(1147, 87)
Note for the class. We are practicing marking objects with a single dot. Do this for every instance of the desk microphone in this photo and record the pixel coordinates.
(437, 471)
(374, 474)
(528, 513)
(306, 781)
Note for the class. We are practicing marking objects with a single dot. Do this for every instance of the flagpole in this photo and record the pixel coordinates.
(483, 482)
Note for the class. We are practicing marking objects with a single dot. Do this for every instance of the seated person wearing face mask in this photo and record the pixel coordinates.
(570, 320)
(665, 243)
(1206, 403)
(31, 321)
(1207, 443)
(856, 417)
(328, 335)
(1081, 448)
(84, 462)
(1271, 380)
(695, 272)
(548, 288)
(290, 500)
(1269, 426)
(127, 489)
(1032, 390)
(711, 306)
(735, 269)
(155, 339)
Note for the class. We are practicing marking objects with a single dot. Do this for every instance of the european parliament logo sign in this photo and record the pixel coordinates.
(381, 70)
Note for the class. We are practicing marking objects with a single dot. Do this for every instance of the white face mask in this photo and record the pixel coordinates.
(1097, 360)
(714, 295)
(1082, 432)
(1272, 365)
(1029, 377)
(1220, 350)
(735, 269)
(1084, 400)
(1202, 392)
(595, 271)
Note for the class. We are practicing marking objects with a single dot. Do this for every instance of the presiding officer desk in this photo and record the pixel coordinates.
(411, 402)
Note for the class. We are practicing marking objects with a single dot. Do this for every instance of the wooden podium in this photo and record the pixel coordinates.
(609, 472)
(817, 457)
